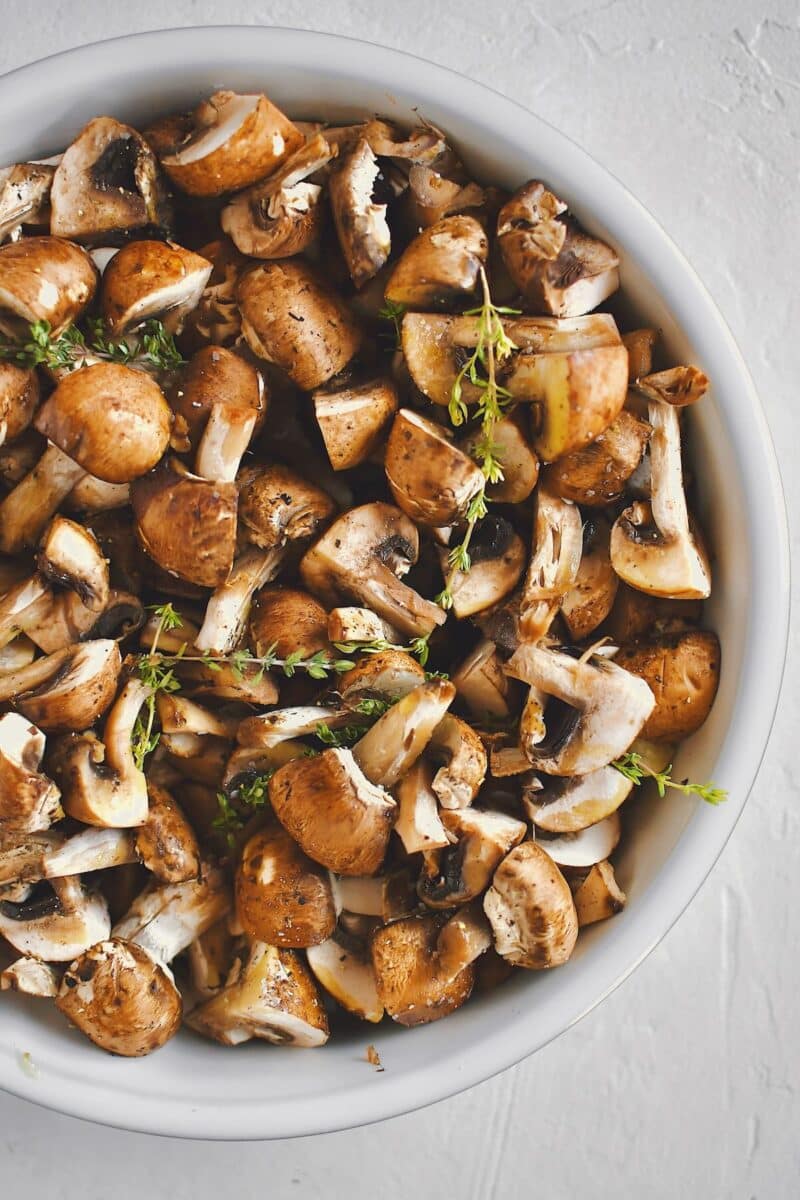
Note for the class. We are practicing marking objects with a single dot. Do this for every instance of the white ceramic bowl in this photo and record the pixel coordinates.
(196, 1089)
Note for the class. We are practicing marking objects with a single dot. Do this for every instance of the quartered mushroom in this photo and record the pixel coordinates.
(69, 555)
(531, 910)
(276, 505)
(482, 683)
(29, 799)
(19, 399)
(282, 897)
(84, 851)
(497, 557)
(573, 803)
(461, 871)
(396, 740)
(166, 843)
(286, 620)
(654, 545)
(348, 623)
(151, 280)
(344, 969)
(216, 320)
(441, 265)
(463, 757)
(411, 987)
(462, 940)
(682, 672)
(385, 897)
(419, 825)
(353, 420)
(107, 186)
(269, 730)
(215, 376)
(678, 386)
(598, 896)
(596, 709)
(361, 556)
(430, 478)
(52, 618)
(558, 268)
(589, 600)
(165, 918)
(228, 142)
(431, 196)
(587, 846)
(596, 475)
(554, 563)
(387, 675)
(67, 691)
(44, 279)
(520, 465)
(31, 977)
(24, 197)
(361, 225)
(228, 609)
(57, 922)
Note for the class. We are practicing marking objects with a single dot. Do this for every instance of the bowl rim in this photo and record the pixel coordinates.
(684, 872)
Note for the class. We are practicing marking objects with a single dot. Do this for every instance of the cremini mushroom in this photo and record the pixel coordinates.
(227, 143)
(107, 186)
(418, 824)
(596, 709)
(410, 986)
(638, 615)
(430, 478)
(482, 684)
(432, 196)
(385, 897)
(228, 609)
(554, 563)
(267, 731)
(520, 465)
(287, 620)
(19, 399)
(361, 225)
(640, 343)
(276, 505)
(166, 842)
(531, 910)
(589, 600)
(441, 265)
(152, 279)
(24, 197)
(30, 977)
(291, 318)
(352, 420)
(57, 922)
(596, 474)
(462, 940)
(51, 618)
(598, 896)
(682, 672)
(67, 691)
(558, 268)
(90, 496)
(396, 740)
(387, 675)
(587, 846)
(361, 556)
(70, 555)
(344, 968)
(165, 918)
(215, 376)
(44, 279)
(457, 746)
(348, 623)
(497, 558)
(282, 897)
(84, 851)
(225, 440)
(29, 800)
(678, 386)
(571, 804)
(461, 871)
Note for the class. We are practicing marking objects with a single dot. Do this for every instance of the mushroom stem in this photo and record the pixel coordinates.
(668, 500)
(165, 919)
(224, 442)
(229, 607)
(26, 510)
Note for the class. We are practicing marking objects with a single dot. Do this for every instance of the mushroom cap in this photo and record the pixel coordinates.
(389, 674)
(111, 419)
(29, 800)
(675, 568)
(122, 999)
(682, 672)
(44, 279)
(361, 226)
(598, 896)
(430, 478)
(53, 932)
(520, 464)
(151, 279)
(568, 805)
(409, 986)
(498, 557)
(348, 975)
(440, 266)
(229, 142)
(187, 524)
(596, 474)
(290, 318)
(288, 619)
(282, 897)
(69, 554)
(638, 615)
(24, 196)
(79, 689)
(531, 910)
(214, 375)
(19, 398)
(396, 740)
(276, 505)
(461, 871)
(166, 843)
(352, 420)
(349, 833)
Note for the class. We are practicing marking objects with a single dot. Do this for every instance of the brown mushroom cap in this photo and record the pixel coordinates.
(122, 999)
(166, 843)
(531, 910)
(440, 267)
(111, 419)
(66, 691)
(361, 226)
(289, 620)
(587, 603)
(282, 897)
(291, 318)
(277, 505)
(682, 672)
(212, 376)
(44, 279)
(596, 475)
(638, 615)
(430, 478)
(409, 986)
(187, 524)
(19, 397)
(151, 279)
(353, 420)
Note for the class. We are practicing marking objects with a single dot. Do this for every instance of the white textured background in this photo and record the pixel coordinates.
(686, 1082)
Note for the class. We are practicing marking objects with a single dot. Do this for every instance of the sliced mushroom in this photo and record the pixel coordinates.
(30, 977)
(554, 563)
(497, 556)
(55, 928)
(282, 897)
(460, 778)
(654, 546)
(432, 196)
(558, 268)
(396, 740)
(19, 398)
(520, 465)
(166, 842)
(354, 419)
(24, 197)
(388, 675)
(588, 846)
(276, 505)
(596, 475)
(482, 684)
(267, 731)
(597, 709)
(361, 225)
(291, 318)
(228, 609)
(679, 386)
(146, 280)
(187, 524)
(462, 940)
(359, 625)
(572, 804)
(347, 974)
(29, 800)
(441, 265)
(410, 986)
(531, 910)
(460, 872)
(228, 142)
(107, 185)
(121, 999)
(589, 601)
(418, 824)
(360, 557)
(430, 478)
(682, 672)
(215, 376)
(43, 279)
(69, 555)
(67, 691)
(271, 995)
(598, 896)
(385, 897)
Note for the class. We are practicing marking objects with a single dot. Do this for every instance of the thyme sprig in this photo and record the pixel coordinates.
(158, 674)
(418, 647)
(252, 794)
(634, 767)
(151, 348)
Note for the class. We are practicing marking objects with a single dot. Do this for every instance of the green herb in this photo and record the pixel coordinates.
(369, 707)
(634, 767)
(418, 646)
(394, 313)
(253, 794)
(227, 820)
(158, 674)
(151, 348)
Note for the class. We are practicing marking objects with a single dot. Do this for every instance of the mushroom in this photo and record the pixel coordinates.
(639, 344)
(19, 398)
(30, 977)
(520, 465)
(396, 740)
(385, 897)
(146, 280)
(22, 858)
(596, 474)
(179, 715)
(360, 556)
(100, 781)
(482, 684)
(558, 268)
(598, 896)
(84, 851)
(223, 680)
(55, 925)
(358, 625)
(24, 197)
(353, 420)
(187, 524)
(462, 871)
(586, 847)
(290, 318)
(225, 440)
(16, 654)
(210, 958)
(441, 265)
(67, 691)
(29, 800)
(554, 563)
(597, 709)
(271, 995)
(215, 376)
(282, 897)
(679, 386)
(166, 842)
(228, 609)
(388, 675)
(361, 225)
(43, 279)
(418, 824)
(165, 918)
(462, 940)
(267, 731)
(282, 215)
(572, 804)
(227, 143)
(637, 614)
(430, 478)
(654, 546)
(531, 910)
(432, 196)
(107, 185)
(345, 970)
(460, 778)
(682, 672)
(287, 621)
(589, 601)
(121, 999)
(53, 620)
(25, 511)
(69, 555)
(276, 505)
(216, 318)
(497, 556)
(410, 986)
